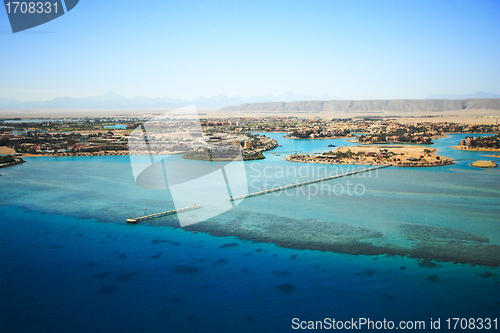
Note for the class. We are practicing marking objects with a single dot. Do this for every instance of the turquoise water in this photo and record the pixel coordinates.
(117, 126)
(69, 262)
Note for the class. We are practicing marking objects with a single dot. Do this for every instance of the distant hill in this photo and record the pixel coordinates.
(397, 105)
(111, 100)
(481, 94)
(8, 101)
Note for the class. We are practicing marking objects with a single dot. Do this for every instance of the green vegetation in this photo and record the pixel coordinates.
(7, 159)
(252, 156)
(341, 155)
(319, 132)
(486, 142)
(400, 136)
(301, 135)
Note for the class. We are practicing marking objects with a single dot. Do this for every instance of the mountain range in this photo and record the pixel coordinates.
(395, 105)
(111, 100)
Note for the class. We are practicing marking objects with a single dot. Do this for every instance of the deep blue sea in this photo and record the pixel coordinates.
(70, 263)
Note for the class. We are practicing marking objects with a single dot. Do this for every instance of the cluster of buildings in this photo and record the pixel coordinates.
(317, 132)
(58, 143)
(491, 142)
(391, 138)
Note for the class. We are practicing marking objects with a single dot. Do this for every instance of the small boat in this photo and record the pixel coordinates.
(331, 145)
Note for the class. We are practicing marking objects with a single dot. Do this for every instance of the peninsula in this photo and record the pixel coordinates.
(488, 143)
(7, 161)
(226, 147)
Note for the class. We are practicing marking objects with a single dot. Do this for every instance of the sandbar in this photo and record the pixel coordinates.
(484, 164)
(476, 148)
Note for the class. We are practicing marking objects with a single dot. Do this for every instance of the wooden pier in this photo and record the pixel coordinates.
(240, 197)
(170, 212)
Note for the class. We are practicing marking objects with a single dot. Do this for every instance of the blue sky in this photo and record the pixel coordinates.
(185, 49)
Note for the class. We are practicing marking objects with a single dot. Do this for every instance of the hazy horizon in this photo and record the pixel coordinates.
(211, 101)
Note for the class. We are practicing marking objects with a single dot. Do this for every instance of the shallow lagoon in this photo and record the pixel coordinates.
(64, 269)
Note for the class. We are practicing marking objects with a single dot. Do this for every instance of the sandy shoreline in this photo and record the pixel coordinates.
(330, 138)
(476, 149)
(76, 154)
(102, 153)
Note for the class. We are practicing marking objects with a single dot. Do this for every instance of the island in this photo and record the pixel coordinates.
(400, 156)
